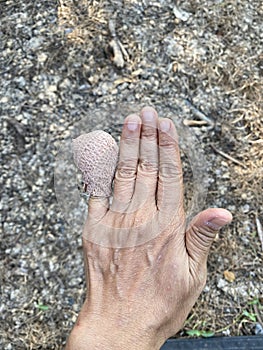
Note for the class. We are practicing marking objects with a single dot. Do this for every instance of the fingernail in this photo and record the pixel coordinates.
(132, 125)
(148, 115)
(216, 223)
(165, 125)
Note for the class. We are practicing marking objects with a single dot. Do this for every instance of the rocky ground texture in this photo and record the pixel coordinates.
(200, 62)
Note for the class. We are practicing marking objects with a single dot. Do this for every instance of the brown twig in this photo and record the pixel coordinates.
(199, 114)
(227, 156)
(194, 122)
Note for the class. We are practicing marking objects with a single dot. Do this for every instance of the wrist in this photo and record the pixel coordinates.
(100, 339)
(102, 333)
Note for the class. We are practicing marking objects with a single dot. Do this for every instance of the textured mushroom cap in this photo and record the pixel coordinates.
(96, 155)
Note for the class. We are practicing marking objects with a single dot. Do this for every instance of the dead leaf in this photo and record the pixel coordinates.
(229, 276)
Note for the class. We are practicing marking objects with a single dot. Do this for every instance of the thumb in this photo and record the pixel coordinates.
(202, 231)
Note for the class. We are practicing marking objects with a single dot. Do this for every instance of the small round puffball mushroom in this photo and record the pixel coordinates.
(96, 156)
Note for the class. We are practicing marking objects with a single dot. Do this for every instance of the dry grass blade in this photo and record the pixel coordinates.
(199, 114)
(260, 231)
(227, 156)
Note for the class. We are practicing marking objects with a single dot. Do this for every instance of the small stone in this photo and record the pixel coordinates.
(258, 329)
(246, 208)
(42, 57)
(175, 67)
(35, 43)
(206, 289)
(226, 332)
(66, 83)
(181, 14)
(4, 99)
(52, 88)
(21, 81)
(221, 283)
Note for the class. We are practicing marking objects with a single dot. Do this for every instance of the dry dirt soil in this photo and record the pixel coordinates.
(199, 62)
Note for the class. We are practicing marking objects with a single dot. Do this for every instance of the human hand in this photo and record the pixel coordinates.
(148, 271)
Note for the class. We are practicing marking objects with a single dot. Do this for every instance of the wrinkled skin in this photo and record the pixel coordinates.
(140, 294)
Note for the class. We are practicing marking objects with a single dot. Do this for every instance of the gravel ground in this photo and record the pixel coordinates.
(199, 61)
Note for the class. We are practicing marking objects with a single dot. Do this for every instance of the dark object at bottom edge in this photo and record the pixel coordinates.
(217, 343)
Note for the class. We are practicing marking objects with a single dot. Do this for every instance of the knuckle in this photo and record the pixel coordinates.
(126, 169)
(149, 133)
(171, 170)
(168, 142)
(147, 166)
(128, 141)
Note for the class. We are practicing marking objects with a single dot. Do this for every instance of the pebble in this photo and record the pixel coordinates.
(258, 329)
(35, 43)
(4, 99)
(245, 208)
(42, 57)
